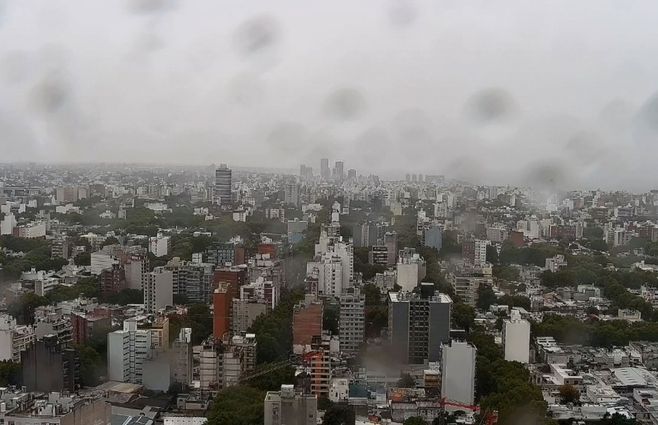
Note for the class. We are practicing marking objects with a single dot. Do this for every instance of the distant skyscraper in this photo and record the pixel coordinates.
(324, 169)
(351, 174)
(222, 194)
(339, 172)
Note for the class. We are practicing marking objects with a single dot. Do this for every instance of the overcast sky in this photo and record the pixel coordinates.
(543, 92)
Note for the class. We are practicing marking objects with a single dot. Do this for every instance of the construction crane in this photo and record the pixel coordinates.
(265, 370)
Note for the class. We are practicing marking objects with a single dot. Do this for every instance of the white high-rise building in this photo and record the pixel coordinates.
(159, 289)
(516, 338)
(411, 269)
(329, 269)
(14, 338)
(480, 258)
(458, 372)
(160, 245)
(7, 224)
(127, 350)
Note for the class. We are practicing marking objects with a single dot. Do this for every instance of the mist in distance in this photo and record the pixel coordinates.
(557, 93)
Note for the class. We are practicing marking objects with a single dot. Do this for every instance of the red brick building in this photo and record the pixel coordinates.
(222, 300)
(306, 324)
(236, 276)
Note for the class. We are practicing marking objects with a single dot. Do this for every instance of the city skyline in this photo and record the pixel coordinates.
(385, 101)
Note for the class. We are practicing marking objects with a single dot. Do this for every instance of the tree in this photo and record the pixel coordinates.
(617, 419)
(372, 294)
(23, 308)
(92, 366)
(82, 259)
(463, 316)
(238, 405)
(406, 381)
(110, 240)
(492, 254)
(126, 296)
(330, 317)
(415, 420)
(10, 373)
(486, 297)
(569, 394)
(339, 414)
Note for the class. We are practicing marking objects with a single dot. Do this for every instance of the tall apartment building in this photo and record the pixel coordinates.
(14, 339)
(136, 265)
(475, 252)
(112, 279)
(127, 349)
(391, 243)
(236, 276)
(497, 234)
(339, 171)
(160, 245)
(222, 305)
(291, 194)
(182, 361)
(159, 290)
(221, 365)
(458, 372)
(351, 321)
(411, 269)
(60, 248)
(50, 366)
(319, 370)
(288, 407)
(433, 236)
(516, 338)
(418, 324)
(329, 271)
(194, 281)
(245, 311)
(466, 283)
(306, 323)
(378, 255)
(221, 254)
(325, 173)
(222, 189)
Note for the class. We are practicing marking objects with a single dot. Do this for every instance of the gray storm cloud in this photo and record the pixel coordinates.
(556, 93)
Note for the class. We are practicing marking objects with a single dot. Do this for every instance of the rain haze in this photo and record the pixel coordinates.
(504, 92)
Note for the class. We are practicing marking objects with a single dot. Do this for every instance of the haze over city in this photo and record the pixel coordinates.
(521, 92)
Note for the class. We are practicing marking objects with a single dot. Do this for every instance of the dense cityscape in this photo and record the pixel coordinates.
(179, 295)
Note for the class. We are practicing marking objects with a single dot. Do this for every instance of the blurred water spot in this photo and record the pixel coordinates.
(287, 137)
(345, 104)
(256, 34)
(150, 6)
(245, 89)
(645, 122)
(550, 175)
(402, 13)
(51, 93)
(491, 106)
